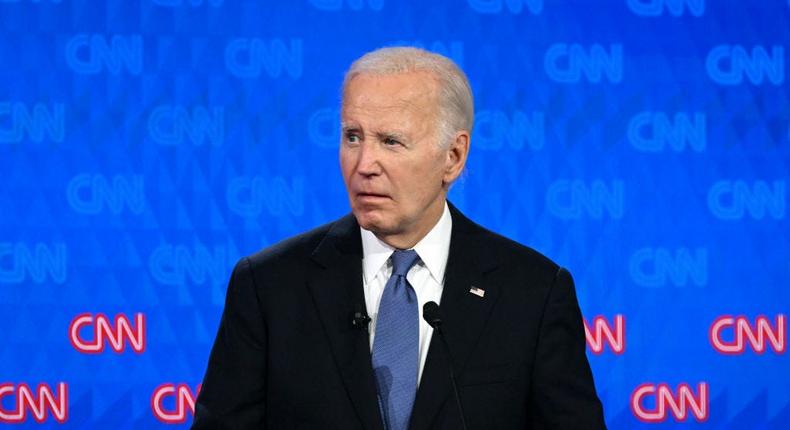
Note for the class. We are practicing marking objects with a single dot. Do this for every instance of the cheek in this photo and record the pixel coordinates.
(422, 185)
(430, 174)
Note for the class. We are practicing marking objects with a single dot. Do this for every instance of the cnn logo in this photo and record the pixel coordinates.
(117, 333)
(38, 404)
(668, 403)
(171, 403)
(742, 332)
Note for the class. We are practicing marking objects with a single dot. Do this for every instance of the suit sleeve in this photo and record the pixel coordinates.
(233, 394)
(563, 393)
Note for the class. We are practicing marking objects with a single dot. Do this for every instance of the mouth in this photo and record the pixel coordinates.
(371, 196)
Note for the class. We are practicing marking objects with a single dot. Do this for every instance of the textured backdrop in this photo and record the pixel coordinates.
(146, 145)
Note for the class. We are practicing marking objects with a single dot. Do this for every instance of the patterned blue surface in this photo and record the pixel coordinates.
(146, 145)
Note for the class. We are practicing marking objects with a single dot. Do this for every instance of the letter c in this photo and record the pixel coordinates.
(715, 71)
(156, 403)
(636, 404)
(718, 344)
(74, 334)
(5, 415)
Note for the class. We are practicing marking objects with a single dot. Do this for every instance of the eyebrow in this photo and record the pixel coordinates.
(349, 127)
(346, 127)
(382, 135)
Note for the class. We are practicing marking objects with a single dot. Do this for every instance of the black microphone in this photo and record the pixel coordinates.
(360, 320)
(431, 315)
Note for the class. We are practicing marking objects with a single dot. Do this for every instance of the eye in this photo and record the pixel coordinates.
(391, 142)
(352, 138)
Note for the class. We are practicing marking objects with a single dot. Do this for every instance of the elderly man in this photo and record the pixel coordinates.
(325, 330)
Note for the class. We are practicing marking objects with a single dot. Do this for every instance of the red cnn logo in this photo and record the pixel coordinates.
(114, 333)
(36, 404)
(756, 334)
(602, 332)
(183, 398)
(678, 403)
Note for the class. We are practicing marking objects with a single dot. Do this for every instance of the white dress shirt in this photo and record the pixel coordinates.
(426, 276)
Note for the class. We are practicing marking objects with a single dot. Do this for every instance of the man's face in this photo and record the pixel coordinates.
(393, 167)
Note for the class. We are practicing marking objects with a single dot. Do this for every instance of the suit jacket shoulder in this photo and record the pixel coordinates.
(510, 256)
(294, 247)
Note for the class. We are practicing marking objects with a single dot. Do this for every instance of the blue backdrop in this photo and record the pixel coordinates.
(146, 145)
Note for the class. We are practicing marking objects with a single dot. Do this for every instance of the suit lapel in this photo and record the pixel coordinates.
(337, 292)
(464, 316)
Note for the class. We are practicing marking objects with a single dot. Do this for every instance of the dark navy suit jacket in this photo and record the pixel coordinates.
(287, 355)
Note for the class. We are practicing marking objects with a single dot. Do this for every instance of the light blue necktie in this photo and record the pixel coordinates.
(396, 344)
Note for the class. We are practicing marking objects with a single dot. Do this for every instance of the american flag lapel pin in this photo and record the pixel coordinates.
(479, 292)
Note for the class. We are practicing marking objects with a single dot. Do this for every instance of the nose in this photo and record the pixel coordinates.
(368, 160)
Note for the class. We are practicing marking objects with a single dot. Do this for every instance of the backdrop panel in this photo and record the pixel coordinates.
(146, 145)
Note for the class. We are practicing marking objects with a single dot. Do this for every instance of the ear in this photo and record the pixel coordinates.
(456, 157)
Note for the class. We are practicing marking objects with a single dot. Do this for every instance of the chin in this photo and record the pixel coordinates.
(369, 220)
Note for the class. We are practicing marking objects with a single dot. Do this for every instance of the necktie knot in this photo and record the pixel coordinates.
(402, 261)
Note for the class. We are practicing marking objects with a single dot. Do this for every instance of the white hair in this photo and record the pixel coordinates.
(456, 106)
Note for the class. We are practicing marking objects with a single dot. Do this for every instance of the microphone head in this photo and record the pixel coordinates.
(430, 313)
(360, 320)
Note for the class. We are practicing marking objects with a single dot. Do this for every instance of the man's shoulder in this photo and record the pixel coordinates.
(508, 248)
(298, 247)
(497, 244)
(505, 251)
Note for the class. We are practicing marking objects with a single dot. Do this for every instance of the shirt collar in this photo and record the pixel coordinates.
(433, 249)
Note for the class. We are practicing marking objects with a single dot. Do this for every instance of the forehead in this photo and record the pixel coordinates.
(410, 92)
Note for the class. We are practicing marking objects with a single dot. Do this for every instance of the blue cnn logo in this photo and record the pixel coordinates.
(177, 264)
(576, 199)
(91, 194)
(39, 261)
(534, 7)
(168, 125)
(658, 267)
(495, 130)
(374, 5)
(674, 7)
(91, 54)
(729, 64)
(732, 200)
(248, 197)
(568, 63)
(322, 128)
(37, 122)
(655, 131)
(248, 58)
